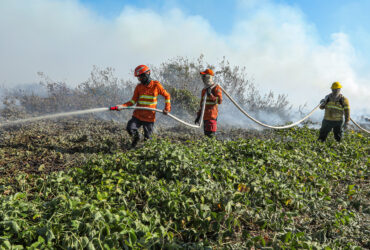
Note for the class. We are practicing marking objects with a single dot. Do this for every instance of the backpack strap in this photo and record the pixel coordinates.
(341, 101)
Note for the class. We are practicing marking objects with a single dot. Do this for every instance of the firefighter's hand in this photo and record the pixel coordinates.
(322, 104)
(116, 108)
(197, 120)
(165, 112)
(209, 91)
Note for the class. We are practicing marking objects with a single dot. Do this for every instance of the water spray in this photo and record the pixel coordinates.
(43, 117)
(81, 112)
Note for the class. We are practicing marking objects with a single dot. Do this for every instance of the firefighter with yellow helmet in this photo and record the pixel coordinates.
(336, 106)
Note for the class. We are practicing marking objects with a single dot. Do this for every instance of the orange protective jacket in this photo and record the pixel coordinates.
(146, 96)
(211, 109)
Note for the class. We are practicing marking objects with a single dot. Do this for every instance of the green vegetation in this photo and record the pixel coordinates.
(74, 184)
(286, 191)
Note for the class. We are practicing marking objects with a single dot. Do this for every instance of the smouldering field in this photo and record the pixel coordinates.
(75, 184)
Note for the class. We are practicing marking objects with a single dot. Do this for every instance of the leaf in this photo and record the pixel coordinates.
(84, 241)
(350, 187)
(97, 216)
(36, 216)
(38, 243)
(102, 196)
(6, 245)
(41, 167)
(288, 237)
(49, 235)
(132, 237)
(14, 226)
(90, 246)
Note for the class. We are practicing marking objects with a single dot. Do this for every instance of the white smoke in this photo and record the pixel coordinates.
(277, 45)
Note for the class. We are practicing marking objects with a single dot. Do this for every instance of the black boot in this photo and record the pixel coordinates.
(135, 139)
(210, 134)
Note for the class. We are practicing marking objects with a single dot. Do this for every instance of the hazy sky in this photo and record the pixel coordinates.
(293, 47)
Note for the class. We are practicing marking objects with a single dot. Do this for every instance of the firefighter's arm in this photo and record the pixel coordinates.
(218, 94)
(323, 102)
(133, 100)
(347, 116)
(167, 98)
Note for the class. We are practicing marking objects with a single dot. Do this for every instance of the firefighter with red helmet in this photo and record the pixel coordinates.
(145, 95)
(214, 98)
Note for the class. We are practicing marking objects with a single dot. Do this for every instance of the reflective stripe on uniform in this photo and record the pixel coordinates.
(148, 97)
(334, 111)
(334, 107)
(147, 102)
(132, 101)
(167, 101)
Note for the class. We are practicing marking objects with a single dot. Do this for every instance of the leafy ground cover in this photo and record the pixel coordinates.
(266, 190)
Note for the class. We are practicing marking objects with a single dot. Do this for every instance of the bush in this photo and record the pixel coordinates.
(180, 76)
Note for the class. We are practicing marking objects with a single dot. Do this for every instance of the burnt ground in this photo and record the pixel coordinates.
(53, 145)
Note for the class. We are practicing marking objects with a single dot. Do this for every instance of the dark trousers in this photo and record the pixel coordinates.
(134, 124)
(327, 126)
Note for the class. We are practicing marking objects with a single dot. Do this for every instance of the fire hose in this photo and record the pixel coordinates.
(367, 131)
(174, 117)
(263, 124)
(244, 112)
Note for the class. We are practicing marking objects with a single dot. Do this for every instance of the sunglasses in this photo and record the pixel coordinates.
(142, 76)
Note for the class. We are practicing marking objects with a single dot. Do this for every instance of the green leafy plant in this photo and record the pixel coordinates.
(171, 193)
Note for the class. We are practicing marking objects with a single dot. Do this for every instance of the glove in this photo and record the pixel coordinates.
(197, 120)
(165, 112)
(322, 104)
(209, 91)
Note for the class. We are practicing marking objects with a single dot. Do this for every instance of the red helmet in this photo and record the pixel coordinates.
(141, 69)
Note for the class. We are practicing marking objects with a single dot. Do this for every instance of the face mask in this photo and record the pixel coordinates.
(207, 80)
(335, 92)
(144, 78)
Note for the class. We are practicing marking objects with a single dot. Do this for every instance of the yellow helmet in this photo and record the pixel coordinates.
(336, 85)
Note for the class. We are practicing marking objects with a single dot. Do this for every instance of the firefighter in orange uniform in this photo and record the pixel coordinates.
(145, 95)
(214, 98)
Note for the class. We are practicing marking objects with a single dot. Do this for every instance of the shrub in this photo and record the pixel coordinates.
(180, 76)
